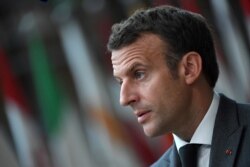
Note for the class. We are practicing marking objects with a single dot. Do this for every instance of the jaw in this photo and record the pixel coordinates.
(152, 130)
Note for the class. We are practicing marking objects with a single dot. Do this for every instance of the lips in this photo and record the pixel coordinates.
(142, 116)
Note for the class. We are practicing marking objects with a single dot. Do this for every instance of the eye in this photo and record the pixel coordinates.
(119, 81)
(139, 74)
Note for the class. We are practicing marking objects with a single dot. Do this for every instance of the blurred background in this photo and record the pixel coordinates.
(59, 104)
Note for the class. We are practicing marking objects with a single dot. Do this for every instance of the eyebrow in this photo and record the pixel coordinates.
(130, 69)
(134, 66)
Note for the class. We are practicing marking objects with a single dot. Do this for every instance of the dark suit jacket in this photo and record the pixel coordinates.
(230, 141)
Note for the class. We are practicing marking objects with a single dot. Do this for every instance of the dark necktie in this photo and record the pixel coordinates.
(188, 155)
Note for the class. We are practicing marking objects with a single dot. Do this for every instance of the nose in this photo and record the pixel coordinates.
(128, 94)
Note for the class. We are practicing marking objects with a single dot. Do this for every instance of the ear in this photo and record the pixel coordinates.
(191, 67)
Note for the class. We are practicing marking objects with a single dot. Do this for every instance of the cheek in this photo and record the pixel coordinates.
(155, 96)
(168, 95)
(159, 88)
(149, 92)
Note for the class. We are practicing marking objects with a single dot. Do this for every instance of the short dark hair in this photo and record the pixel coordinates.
(182, 31)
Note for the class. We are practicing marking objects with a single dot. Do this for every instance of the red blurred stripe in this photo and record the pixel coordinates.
(9, 83)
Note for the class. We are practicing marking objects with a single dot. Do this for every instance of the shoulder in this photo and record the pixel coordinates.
(244, 113)
(242, 109)
(165, 158)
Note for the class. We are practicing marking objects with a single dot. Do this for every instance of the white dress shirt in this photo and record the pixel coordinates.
(203, 134)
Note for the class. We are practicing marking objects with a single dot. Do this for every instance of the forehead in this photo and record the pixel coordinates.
(148, 50)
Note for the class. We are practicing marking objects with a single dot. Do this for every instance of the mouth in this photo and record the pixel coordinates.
(143, 116)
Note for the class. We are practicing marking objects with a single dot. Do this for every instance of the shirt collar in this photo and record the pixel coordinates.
(203, 134)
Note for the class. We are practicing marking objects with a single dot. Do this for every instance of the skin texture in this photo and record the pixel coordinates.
(161, 102)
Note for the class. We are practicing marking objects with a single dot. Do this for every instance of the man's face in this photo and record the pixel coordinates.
(157, 99)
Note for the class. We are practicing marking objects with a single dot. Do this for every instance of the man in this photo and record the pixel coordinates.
(165, 62)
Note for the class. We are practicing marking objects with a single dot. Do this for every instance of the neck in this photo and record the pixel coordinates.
(200, 102)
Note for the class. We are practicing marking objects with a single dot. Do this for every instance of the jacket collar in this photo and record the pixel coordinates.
(226, 135)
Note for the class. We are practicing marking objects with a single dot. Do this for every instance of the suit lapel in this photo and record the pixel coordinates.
(226, 135)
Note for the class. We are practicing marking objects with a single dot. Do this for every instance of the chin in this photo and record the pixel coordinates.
(151, 132)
